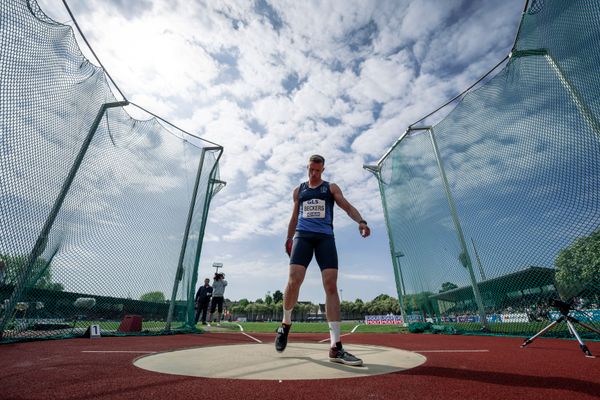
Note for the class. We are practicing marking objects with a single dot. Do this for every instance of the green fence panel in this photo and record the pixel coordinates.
(495, 209)
(94, 209)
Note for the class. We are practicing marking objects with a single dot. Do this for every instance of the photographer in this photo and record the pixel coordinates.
(218, 285)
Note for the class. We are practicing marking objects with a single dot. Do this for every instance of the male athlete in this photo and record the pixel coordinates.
(311, 232)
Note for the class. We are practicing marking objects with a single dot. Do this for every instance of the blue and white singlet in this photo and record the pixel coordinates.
(315, 214)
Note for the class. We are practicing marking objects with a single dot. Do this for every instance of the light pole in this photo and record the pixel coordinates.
(402, 291)
(341, 294)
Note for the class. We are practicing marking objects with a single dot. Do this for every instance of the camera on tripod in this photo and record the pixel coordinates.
(563, 307)
(571, 321)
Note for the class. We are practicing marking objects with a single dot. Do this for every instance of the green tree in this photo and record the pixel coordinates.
(447, 286)
(236, 310)
(277, 296)
(261, 311)
(358, 306)
(381, 297)
(278, 310)
(40, 276)
(153, 297)
(301, 310)
(268, 299)
(391, 305)
(243, 302)
(424, 303)
(374, 307)
(251, 311)
(578, 266)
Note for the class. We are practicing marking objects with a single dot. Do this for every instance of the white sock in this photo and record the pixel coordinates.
(334, 332)
(287, 316)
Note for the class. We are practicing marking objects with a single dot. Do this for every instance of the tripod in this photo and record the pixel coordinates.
(564, 309)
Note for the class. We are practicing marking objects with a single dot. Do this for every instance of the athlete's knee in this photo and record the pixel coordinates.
(294, 284)
(296, 276)
(330, 286)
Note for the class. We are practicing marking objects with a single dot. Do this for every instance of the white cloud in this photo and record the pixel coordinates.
(382, 80)
(406, 57)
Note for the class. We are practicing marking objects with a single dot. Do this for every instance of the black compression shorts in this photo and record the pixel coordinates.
(322, 246)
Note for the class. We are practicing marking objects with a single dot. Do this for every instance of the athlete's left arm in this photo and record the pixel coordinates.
(352, 212)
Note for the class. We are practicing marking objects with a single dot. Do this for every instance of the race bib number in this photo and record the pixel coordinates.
(314, 208)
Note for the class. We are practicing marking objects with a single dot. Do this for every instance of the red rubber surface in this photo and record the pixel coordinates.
(546, 369)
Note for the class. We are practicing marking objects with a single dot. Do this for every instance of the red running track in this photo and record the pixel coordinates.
(70, 369)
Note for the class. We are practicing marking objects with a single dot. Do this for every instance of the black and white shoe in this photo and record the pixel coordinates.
(282, 337)
(343, 357)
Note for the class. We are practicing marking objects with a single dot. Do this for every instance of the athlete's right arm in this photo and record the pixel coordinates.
(294, 217)
(292, 224)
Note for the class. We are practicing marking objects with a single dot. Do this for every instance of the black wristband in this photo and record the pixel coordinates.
(362, 221)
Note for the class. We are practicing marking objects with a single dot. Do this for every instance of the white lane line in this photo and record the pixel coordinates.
(451, 351)
(345, 334)
(245, 334)
(328, 339)
(116, 351)
(251, 337)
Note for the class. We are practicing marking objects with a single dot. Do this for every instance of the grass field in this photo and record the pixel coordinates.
(512, 329)
(311, 327)
(260, 327)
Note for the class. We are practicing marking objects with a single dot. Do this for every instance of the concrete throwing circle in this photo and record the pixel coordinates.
(261, 361)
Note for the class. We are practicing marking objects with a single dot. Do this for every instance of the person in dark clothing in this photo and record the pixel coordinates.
(203, 296)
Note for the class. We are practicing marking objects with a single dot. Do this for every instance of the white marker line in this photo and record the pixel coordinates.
(245, 334)
(328, 339)
(116, 351)
(345, 334)
(251, 337)
(451, 351)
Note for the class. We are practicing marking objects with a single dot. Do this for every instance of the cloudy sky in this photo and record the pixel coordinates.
(275, 81)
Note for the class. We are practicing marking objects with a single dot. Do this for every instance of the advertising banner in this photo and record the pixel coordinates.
(383, 320)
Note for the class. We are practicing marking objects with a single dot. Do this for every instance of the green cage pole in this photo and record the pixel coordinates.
(207, 200)
(179, 271)
(481, 271)
(581, 106)
(42, 240)
(376, 170)
(459, 231)
(398, 255)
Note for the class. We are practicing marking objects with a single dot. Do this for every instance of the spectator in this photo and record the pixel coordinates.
(219, 284)
(203, 297)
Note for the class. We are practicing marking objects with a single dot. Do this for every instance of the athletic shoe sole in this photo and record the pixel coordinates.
(351, 363)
